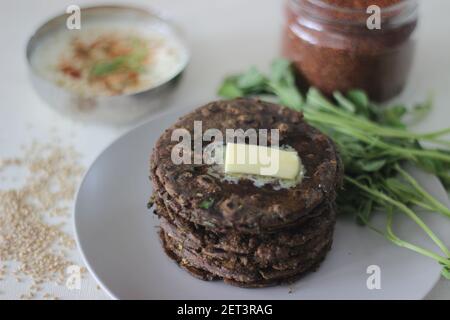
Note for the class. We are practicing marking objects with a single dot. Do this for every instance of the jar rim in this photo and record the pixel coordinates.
(324, 5)
(396, 13)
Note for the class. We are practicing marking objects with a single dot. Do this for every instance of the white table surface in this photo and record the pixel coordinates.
(225, 36)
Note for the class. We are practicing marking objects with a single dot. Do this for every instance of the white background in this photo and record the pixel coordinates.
(224, 37)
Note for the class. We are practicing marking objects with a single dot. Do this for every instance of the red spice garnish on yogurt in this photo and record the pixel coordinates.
(111, 62)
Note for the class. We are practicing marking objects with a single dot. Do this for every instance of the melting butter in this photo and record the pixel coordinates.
(260, 160)
(278, 182)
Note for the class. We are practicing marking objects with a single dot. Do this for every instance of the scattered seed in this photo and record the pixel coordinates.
(27, 234)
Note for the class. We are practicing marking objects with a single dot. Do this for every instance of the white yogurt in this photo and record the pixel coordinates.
(168, 58)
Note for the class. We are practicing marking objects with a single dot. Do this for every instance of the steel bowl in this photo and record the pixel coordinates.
(116, 109)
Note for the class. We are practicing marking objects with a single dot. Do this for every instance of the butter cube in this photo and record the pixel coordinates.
(260, 160)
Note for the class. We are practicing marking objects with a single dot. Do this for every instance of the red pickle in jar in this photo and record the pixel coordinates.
(333, 48)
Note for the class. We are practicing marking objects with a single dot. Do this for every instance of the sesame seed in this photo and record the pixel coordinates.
(28, 235)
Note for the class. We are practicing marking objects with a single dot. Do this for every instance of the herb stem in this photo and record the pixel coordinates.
(406, 210)
(405, 244)
(436, 204)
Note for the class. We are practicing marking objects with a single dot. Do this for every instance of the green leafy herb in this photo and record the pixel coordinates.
(106, 67)
(251, 80)
(281, 82)
(206, 204)
(129, 62)
(375, 145)
(229, 89)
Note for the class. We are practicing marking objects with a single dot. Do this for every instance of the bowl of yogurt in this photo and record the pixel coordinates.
(118, 66)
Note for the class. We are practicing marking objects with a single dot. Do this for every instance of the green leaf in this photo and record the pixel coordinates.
(252, 79)
(344, 102)
(106, 67)
(282, 83)
(281, 72)
(359, 98)
(288, 96)
(371, 165)
(229, 89)
(316, 99)
(206, 204)
(132, 61)
(401, 189)
(393, 116)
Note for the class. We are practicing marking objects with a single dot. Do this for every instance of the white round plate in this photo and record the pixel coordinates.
(117, 236)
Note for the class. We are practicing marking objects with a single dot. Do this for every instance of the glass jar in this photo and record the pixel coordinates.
(333, 47)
